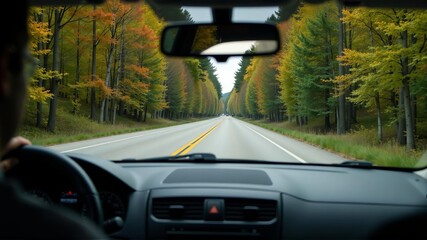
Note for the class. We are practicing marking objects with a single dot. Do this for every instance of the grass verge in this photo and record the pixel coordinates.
(71, 128)
(357, 145)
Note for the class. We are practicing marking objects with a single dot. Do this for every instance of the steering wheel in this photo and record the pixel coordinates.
(49, 159)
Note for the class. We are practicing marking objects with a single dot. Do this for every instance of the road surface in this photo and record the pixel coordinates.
(225, 136)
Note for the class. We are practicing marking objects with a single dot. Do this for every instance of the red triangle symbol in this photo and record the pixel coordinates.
(213, 210)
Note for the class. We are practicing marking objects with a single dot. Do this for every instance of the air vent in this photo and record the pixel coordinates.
(238, 209)
(178, 208)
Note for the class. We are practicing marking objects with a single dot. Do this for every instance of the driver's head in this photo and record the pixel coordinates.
(13, 54)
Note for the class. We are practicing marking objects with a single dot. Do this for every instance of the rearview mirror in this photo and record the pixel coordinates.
(220, 40)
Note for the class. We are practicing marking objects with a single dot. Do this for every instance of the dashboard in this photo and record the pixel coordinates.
(208, 200)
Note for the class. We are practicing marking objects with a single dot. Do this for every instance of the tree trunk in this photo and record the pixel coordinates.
(138, 115)
(39, 117)
(379, 118)
(61, 66)
(341, 99)
(101, 112)
(414, 112)
(352, 108)
(410, 138)
(76, 92)
(114, 112)
(401, 125)
(121, 72)
(327, 108)
(107, 110)
(104, 103)
(93, 73)
(145, 112)
(121, 108)
(55, 80)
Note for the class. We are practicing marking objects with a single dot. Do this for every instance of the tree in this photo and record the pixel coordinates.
(175, 93)
(119, 13)
(59, 14)
(40, 35)
(313, 63)
(207, 66)
(112, 61)
(341, 126)
(240, 73)
(394, 62)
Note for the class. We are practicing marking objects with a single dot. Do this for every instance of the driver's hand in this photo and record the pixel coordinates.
(14, 143)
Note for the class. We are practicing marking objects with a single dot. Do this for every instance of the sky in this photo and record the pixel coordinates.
(225, 71)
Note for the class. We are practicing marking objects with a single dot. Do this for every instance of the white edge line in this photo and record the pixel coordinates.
(277, 145)
(105, 143)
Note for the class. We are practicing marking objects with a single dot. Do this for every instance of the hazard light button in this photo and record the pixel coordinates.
(214, 209)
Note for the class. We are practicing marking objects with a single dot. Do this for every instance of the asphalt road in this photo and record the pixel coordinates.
(226, 137)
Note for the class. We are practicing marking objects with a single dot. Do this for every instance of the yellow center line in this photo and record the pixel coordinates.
(190, 145)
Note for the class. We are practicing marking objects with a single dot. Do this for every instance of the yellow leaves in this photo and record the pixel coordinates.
(43, 74)
(157, 87)
(342, 83)
(139, 88)
(98, 83)
(149, 18)
(353, 57)
(161, 105)
(38, 94)
(390, 28)
(142, 71)
(251, 68)
(39, 32)
(134, 93)
(360, 16)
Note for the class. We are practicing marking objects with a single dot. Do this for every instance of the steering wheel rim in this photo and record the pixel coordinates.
(79, 177)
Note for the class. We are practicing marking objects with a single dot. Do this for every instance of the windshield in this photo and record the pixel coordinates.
(348, 84)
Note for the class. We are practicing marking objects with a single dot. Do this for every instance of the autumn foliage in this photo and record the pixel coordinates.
(337, 62)
(107, 58)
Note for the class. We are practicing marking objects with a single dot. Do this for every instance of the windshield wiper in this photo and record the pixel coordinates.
(194, 157)
(354, 163)
(209, 157)
(197, 157)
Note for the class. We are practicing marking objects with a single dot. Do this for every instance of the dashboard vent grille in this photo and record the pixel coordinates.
(241, 209)
(178, 208)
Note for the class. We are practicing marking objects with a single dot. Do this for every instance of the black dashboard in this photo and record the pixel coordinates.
(245, 201)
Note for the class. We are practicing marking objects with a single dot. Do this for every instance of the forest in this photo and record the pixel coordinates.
(338, 64)
(107, 58)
